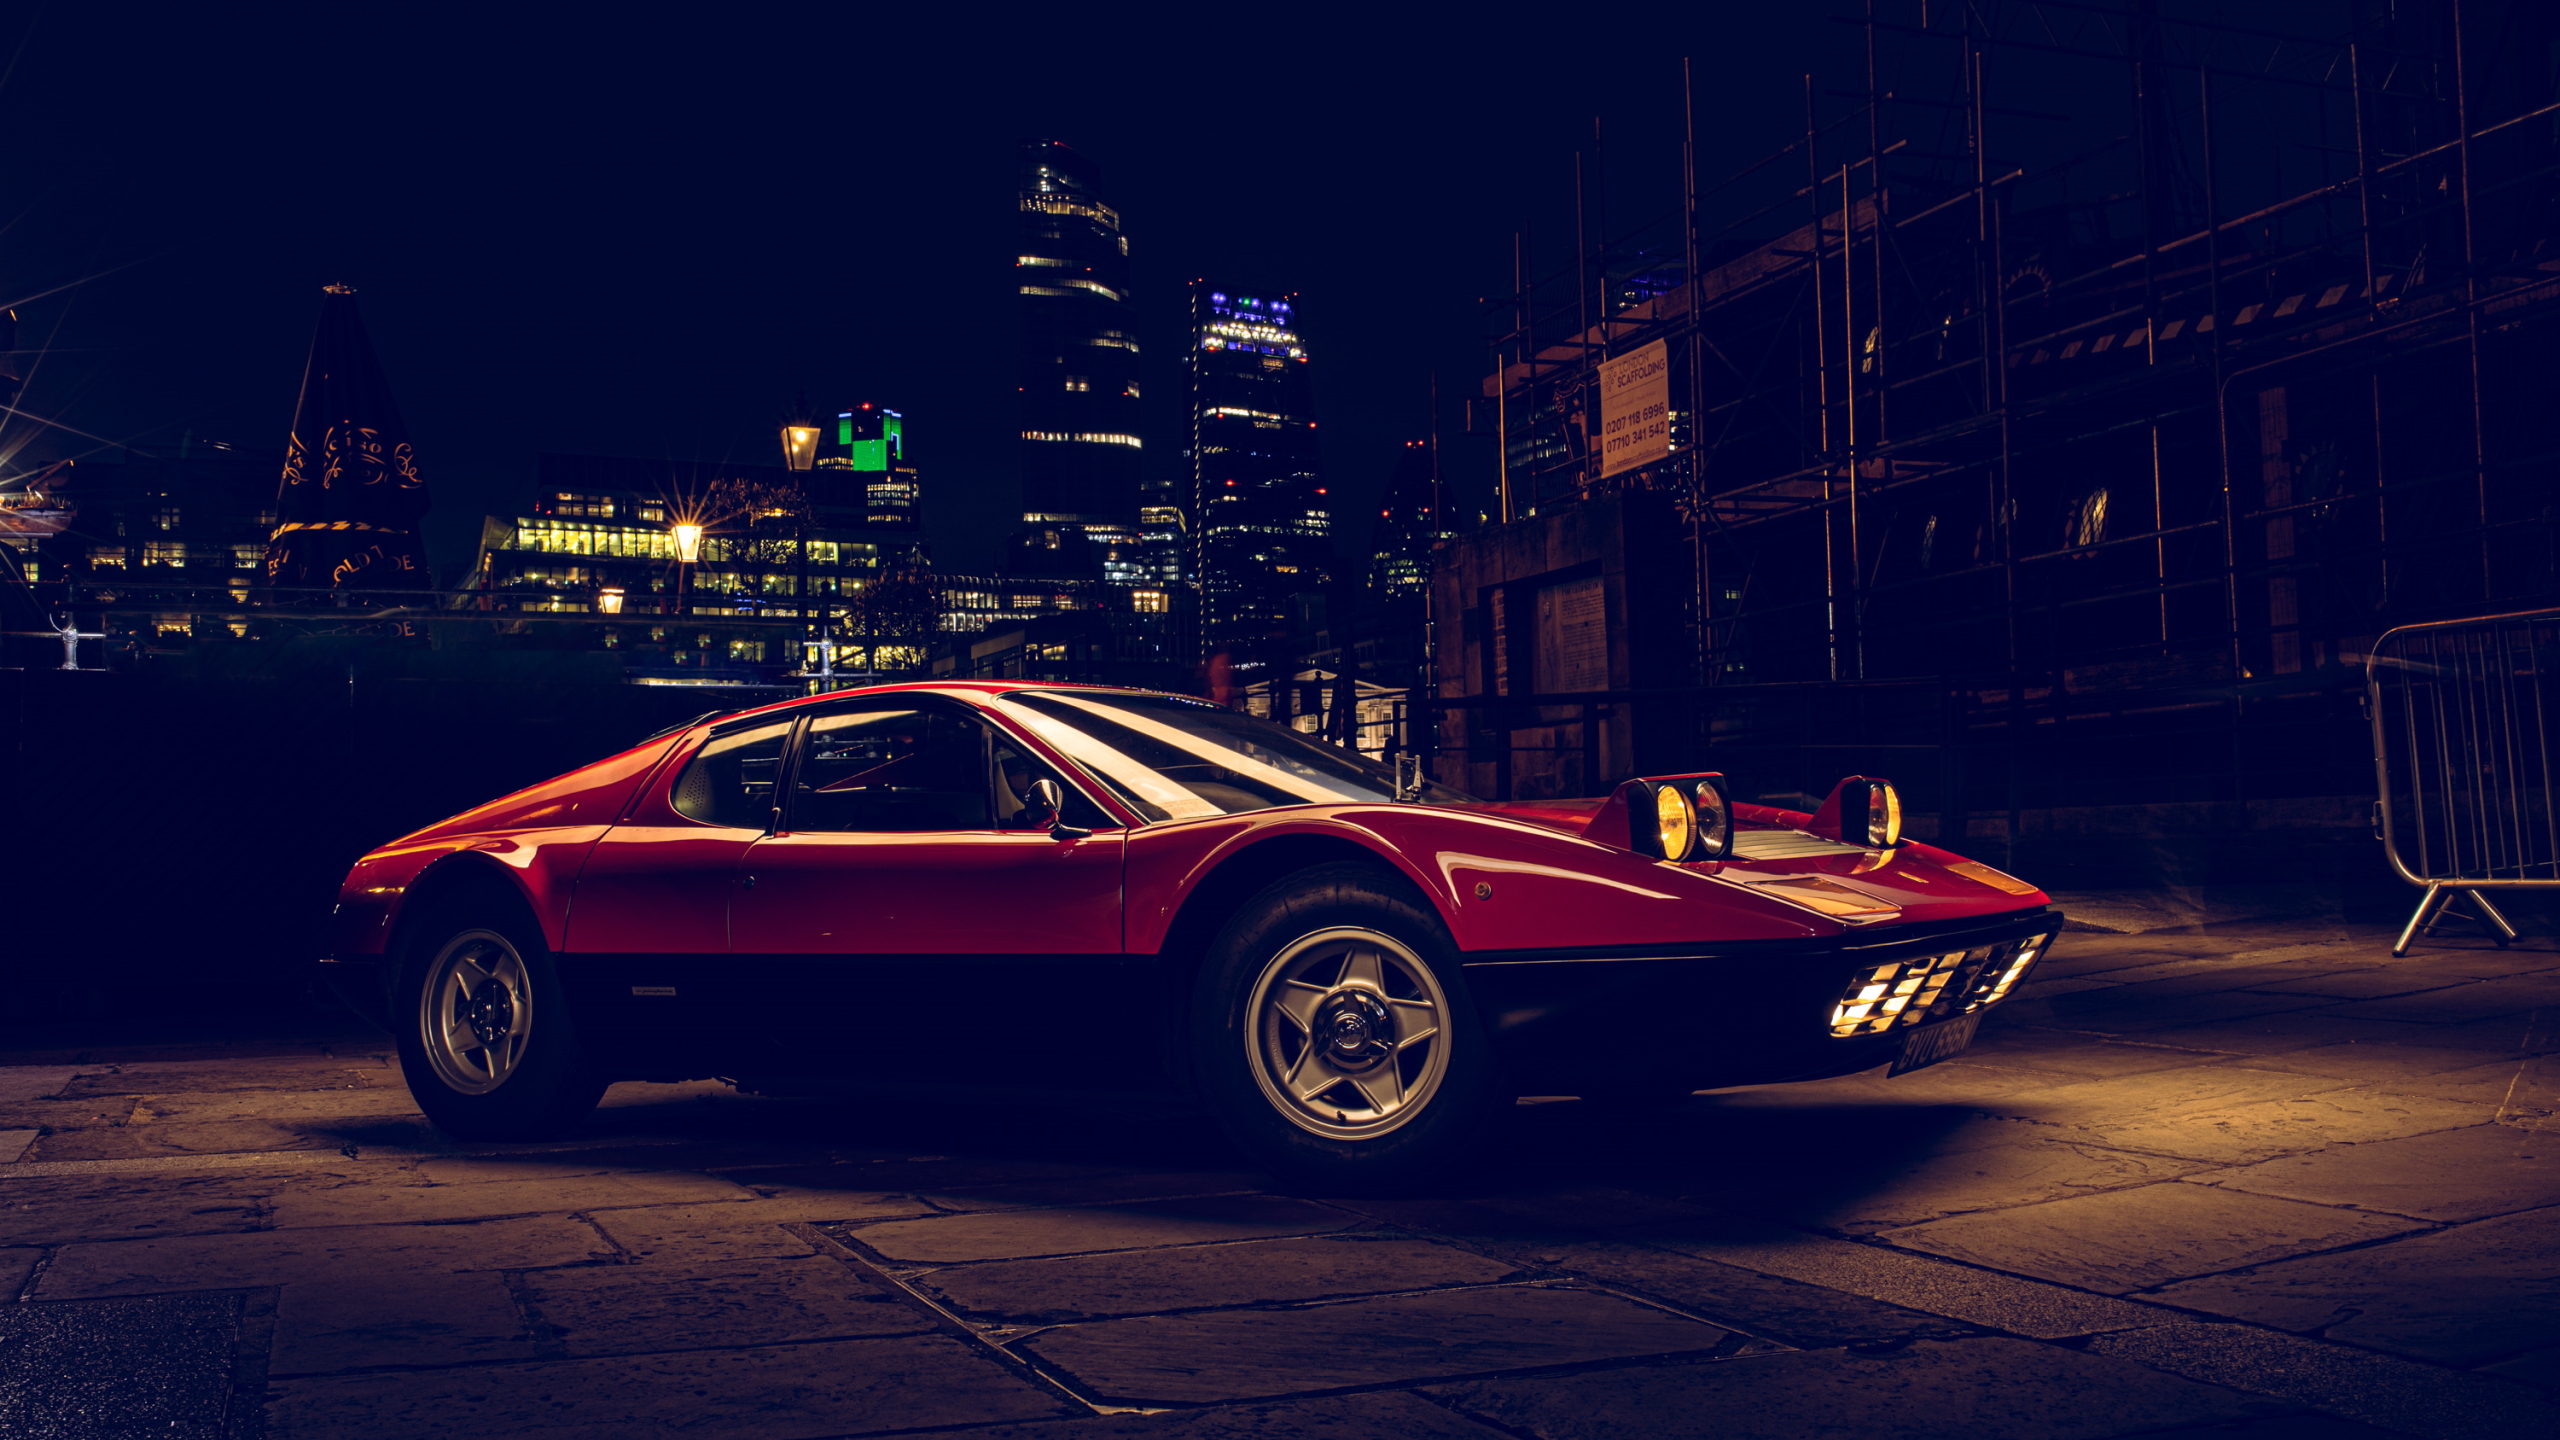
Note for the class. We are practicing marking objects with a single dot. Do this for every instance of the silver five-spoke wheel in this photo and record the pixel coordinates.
(476, 1011)
(1346, 1033)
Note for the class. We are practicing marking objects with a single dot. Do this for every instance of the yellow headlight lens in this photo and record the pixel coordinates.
(1673, 822)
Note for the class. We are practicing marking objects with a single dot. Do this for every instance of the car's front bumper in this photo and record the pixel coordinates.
(362, 983)
(1577, 1022)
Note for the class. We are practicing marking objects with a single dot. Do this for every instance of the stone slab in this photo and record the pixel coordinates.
(2376, 1064)
(21, 1083)
(1253, 1354)
(2163, 1094)
(17, 1262)
(1864, 1198)
(2476, 1000)
(208, 1262)
(2530, 1033)
(1979, 1389)
(171, 1077)
(2132, 1240)
(157, 1367)
(2111, 1012)
(637, 1309)
(2279, 1033)
(55, 1211)
(917, 1173)
(1380, 1415)
(359, 1204)
(1091, 1287)
(2465, 1174)
(2282, 1427)
(783, 1392)
(1913, 1282)
(2463, 1296)
(126, 1141)
(694, 1234)
(205, 1107)
(2534, 1367)
(1023, 1234)
(1770, 1306)
(2247, 1133)
(2422, 1400)
(2083, 1056)
(2512, 1088)
(2284, 978)
(366, 1320)
(750, 1228)
(1954, 1082)
(1096, 1189)
(2370, 983)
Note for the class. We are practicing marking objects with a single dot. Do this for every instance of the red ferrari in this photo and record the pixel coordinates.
(996, 888)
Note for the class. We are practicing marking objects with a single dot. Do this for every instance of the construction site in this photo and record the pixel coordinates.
(2053, 425)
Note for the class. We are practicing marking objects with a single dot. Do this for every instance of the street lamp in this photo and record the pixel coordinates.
(799, 444)
(609, 600)
(799, 454)
(688, 538)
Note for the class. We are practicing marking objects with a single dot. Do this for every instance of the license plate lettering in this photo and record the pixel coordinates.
(1930, 1044)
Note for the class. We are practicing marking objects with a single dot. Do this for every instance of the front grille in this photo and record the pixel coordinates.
(1932, 987)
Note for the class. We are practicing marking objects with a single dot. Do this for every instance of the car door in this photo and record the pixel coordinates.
(907, 914)
(646, 954)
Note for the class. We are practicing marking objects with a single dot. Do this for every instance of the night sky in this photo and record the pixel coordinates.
(608, 230)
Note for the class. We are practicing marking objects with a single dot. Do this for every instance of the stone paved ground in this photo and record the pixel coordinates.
(2253, 1180)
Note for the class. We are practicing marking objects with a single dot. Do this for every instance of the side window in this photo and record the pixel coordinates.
(1015, 770)
(892, 770)
(730, 780)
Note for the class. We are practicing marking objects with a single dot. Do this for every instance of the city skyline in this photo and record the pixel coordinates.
(694, 265)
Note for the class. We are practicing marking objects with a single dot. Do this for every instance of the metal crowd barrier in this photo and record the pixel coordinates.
(2462, 752)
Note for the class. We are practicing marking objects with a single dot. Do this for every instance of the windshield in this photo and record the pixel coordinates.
(1171, 757)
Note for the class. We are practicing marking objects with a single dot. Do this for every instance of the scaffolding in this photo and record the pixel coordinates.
(2085, 362)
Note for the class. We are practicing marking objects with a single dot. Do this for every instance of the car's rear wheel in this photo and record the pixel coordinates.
(485, 1037)
(1334, 1038)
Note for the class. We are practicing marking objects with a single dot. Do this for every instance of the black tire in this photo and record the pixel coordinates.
(543, 1084)
(1408, 1108)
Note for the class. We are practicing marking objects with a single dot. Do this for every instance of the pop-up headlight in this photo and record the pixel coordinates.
(1861, 810)
(1684, 817)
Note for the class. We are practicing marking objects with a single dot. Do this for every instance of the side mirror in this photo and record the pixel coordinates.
(1408, 778)
(1048, 807)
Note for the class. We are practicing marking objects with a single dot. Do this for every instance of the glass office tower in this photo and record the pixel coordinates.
(1078, 356)
(1262, 527)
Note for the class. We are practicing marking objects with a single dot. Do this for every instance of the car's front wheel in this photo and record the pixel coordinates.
(485, 1038)
(1334, 1038)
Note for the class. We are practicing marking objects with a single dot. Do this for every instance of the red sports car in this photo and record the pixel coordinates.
(1008, 887)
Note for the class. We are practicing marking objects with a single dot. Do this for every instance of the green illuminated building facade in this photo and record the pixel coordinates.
(866, 456)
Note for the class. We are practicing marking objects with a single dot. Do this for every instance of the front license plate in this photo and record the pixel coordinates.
(1930, 1044)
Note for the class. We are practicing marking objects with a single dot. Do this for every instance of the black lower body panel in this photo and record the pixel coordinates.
(1564, 1023)
(362, 983)
(939, 1021)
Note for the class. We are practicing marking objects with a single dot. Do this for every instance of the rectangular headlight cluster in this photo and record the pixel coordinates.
(1931, 987)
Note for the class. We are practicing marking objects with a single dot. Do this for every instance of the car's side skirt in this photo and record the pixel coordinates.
(961, 1021)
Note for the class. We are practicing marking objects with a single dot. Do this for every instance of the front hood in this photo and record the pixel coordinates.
(1912, 883)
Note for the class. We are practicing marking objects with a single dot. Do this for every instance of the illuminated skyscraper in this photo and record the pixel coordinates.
(1260, 519)
(1078, 357)
(352, 499)
(1410, 522)
(869, 450)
